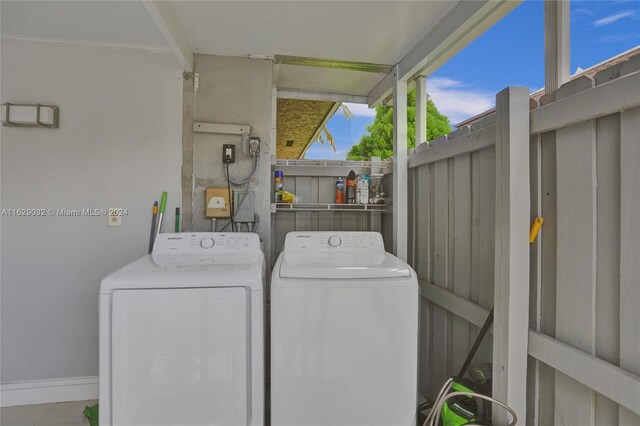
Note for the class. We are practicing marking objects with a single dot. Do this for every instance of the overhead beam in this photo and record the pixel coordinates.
(557, 59)
(333, 63)
(169, 27)
(320, 96)
(382, 92)
(463, 24)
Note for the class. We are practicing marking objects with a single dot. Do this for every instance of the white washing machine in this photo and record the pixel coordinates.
(344, 333)
(181, 334)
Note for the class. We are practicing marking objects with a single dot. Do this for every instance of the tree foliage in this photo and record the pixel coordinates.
(379, 141)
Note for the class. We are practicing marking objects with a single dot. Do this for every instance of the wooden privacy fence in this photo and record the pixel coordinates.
(566, 338)
(314, 183)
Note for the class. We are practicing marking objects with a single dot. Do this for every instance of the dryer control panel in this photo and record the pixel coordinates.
(334, 241)
(206, 242)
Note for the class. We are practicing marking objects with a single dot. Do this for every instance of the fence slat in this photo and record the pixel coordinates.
(461, 252)
(629, 249)
(575, 297)
(548, 236)
(607, 311)
(533, 369)
(450, 262)
(438, 351)
(411, 216)
(326, 190)
(422, 209)
(487, 225)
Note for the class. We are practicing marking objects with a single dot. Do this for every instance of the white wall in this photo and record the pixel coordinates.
(118, 145)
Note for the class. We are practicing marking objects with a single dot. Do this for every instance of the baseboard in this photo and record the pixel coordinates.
(47, 391)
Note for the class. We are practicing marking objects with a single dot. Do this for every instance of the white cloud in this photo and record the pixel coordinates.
(445, 83)
(318, 151)
(613, 18)
(361, 110)
(457, 100)
(583, 11)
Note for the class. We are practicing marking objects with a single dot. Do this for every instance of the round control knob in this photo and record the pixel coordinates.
(335, 241)
(207, 243)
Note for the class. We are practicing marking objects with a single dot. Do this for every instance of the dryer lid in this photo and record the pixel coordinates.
(354, 265)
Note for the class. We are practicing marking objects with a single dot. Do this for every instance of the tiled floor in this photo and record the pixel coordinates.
(57, 414)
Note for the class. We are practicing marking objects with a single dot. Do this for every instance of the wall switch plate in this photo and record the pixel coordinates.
(114, 219)
(228, 153)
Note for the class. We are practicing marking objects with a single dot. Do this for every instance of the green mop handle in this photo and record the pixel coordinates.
(163, 204)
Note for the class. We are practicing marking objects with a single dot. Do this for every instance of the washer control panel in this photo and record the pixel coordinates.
(323, 241)
(206, 242)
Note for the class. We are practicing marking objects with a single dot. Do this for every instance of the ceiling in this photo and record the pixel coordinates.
(109, 22)
(380, 32)
(377, 32)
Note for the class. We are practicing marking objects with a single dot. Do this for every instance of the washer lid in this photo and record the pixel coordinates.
(323, 265)
(243, 269)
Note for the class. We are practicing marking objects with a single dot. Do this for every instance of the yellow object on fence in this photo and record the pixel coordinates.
(535, 229)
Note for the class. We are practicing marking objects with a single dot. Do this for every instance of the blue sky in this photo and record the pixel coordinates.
(510, 53)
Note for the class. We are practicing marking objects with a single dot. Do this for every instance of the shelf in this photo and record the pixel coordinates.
(327, 207)
(331, 168)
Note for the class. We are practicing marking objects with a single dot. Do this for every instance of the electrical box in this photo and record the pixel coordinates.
(244, 203)
(217, 202)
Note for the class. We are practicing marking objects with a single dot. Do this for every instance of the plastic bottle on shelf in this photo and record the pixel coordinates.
(364, 190)
(278, 184)
(351, 187)
(376, 191)
(340, 191)
(358, 188)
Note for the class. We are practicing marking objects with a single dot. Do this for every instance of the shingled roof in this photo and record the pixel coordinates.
(298, 123)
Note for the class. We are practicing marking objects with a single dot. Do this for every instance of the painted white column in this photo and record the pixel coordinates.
(557, 46)
(421, 110)
(400, 166)
(511, 293)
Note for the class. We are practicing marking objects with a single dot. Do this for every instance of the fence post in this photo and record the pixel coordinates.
(511, 296)
(421, 110)
(400, 167)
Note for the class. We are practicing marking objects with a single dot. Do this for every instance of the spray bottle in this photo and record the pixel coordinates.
(339, 191)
